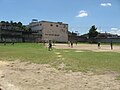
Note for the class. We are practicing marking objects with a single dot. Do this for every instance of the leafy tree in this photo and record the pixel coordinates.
(3, 22)
(15, 24)
(19, 24)
(11, 22)
(93, 32)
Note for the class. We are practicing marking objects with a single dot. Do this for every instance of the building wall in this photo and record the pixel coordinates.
(10, 35)
(77, 38)
(55, 31)
(35, 26)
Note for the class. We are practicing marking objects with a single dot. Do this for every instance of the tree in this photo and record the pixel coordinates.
(11, 22)
(93, 32)
(3, 22)
(19, 24)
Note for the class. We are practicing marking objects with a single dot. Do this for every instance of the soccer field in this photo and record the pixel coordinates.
(30, 66)
(83, 57)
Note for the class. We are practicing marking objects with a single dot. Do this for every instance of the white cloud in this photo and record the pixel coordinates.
(99, 30)
(82, 13)
(114, 28)
(115, 31)
(106, 4)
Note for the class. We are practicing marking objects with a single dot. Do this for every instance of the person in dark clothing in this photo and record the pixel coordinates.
(98, 45)
(50, 45)
(111, 45)
(71, 44)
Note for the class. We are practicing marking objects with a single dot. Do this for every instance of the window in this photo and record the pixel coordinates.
(40, 24)
(51, 25)
(56, 25)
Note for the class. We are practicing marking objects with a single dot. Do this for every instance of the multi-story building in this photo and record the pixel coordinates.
(55, 31)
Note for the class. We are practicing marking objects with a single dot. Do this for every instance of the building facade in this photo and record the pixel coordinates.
(9, 33)
(55, 31)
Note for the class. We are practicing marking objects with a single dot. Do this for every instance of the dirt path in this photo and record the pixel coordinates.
(28, 76)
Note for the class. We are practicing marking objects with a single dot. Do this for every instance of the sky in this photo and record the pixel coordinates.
(80, 15)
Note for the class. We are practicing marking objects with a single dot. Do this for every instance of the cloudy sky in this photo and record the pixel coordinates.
(79, 14)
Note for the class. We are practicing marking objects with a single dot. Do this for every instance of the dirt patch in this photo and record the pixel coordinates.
(79, 51)
(3, 63)
(57, 53)
(91, 47)
(29, 76)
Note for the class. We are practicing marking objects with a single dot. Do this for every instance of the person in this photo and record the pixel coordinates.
(50, 45)
(71, 44)
(98, 45)
(111, 45)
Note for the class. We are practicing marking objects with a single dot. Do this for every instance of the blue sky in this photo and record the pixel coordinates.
(79, 14)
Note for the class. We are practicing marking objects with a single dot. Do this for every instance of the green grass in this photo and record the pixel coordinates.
(76, 61)
(118, 78)
(92, 61)
(32, 52)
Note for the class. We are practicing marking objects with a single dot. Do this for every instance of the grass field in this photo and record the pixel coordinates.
(32, 52)
(77, 61)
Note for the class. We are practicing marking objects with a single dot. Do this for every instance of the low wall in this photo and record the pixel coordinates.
(108, 40)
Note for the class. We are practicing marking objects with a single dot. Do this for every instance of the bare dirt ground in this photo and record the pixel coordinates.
(91, 47)
(18, 75)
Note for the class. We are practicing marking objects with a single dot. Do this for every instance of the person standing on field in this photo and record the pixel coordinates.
(71, 44)
(111, 45)
(98, 45)
(50, 45)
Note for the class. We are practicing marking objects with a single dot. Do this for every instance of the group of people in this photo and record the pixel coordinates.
(111, 45)
(70, 44)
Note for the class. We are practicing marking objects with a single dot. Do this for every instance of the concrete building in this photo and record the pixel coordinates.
(55, 31)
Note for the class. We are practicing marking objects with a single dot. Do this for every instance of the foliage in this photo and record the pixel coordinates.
(92, 32)
(15, 25)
